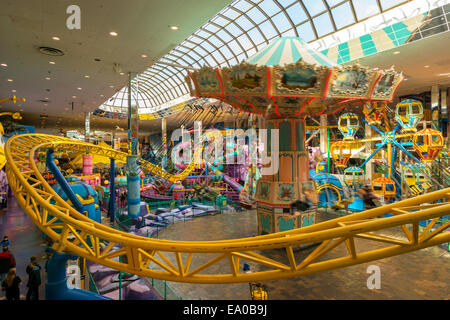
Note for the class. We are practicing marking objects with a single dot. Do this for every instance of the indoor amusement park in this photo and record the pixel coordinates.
(225, 150)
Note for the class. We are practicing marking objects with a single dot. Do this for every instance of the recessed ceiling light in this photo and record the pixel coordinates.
(47, 78)
(51, 62)
(444, 74)
(79, 88)
(3, 65)
(396, 52)
(87, 76)
(121, 73)
(144, 56)
(174, 27)
(111, 86)
(74, 97)
(101, 95)
(13, 90)
(10, 80)
(56, 38)
(113, 33)
(427, 66)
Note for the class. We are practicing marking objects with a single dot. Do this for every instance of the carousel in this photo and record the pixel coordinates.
(285, 83)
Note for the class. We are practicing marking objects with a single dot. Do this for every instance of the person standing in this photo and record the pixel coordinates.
(11, 285)
(34, 279)
(7, 262)
(5, 242)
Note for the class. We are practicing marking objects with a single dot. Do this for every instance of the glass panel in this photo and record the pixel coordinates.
(256, 15)
(220, 21)
(225, 36)
(256, 36)
(218, 56)
(281, 22)
(229, 13)
(203, 34)
(332, 3)
(235, 47)
(242, 5)
(211, 61)
(342, 15)
(245, 42)
(285, 3)
(296, 13)
(226, 52)
(314, 6)
(289, 33)
(386, 4)
(268, 30)
(365, 8)
(211, 27)
(244, 23)
(306, 32)
(323, 24)
(207, 46)
(233, 29)
(269, 7)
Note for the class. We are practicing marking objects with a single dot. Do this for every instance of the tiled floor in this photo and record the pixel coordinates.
(423, 274)
(26, 241)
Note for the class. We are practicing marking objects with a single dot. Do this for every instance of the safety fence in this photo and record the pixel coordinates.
(164, 289)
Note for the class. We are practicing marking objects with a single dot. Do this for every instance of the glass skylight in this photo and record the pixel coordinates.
(237, 32)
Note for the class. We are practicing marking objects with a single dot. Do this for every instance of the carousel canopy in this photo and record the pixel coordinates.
(290, 79)
(289, 50)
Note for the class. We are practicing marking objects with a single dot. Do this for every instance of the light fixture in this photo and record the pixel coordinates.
(79, 88)
(3, 65)
(74, 97)
(113, 33)
(51, 62)
(174, 27)
(10, 80)
(444, 74)
(111, 86)
(102, 95)
(87, 76)
(396, 52)
(13, 90)
(144, 56)
(121, 73)
(427, 66)
(47, 78)
(56, 38)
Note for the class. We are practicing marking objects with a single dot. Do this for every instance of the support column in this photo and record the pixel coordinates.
(369, 166)
(164, 140)
(323, 134)
(87, 126)
(276, 193)
(112, 191)
(133, 170)
(435, 107)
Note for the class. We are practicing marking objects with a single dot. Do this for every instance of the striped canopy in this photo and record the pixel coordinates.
(288, 50)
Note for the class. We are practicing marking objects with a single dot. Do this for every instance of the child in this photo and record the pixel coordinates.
(5, 242)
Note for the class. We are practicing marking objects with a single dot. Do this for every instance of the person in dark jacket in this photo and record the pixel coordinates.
(11, 285)
(34, 279)
(5, 242)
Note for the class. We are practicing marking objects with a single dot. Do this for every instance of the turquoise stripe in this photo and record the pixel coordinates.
(256, 58)
(324, 52)
(276, 56)
(295, 54)
(319, 59)
(390, 32)
(401, 32)
(367, 45)
(344, 53)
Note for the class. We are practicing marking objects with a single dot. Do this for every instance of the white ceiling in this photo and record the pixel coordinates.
(142, 27)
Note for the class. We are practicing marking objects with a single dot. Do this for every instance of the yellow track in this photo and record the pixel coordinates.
(193, 261)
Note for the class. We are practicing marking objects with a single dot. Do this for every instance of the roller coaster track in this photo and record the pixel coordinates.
(196, 261)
